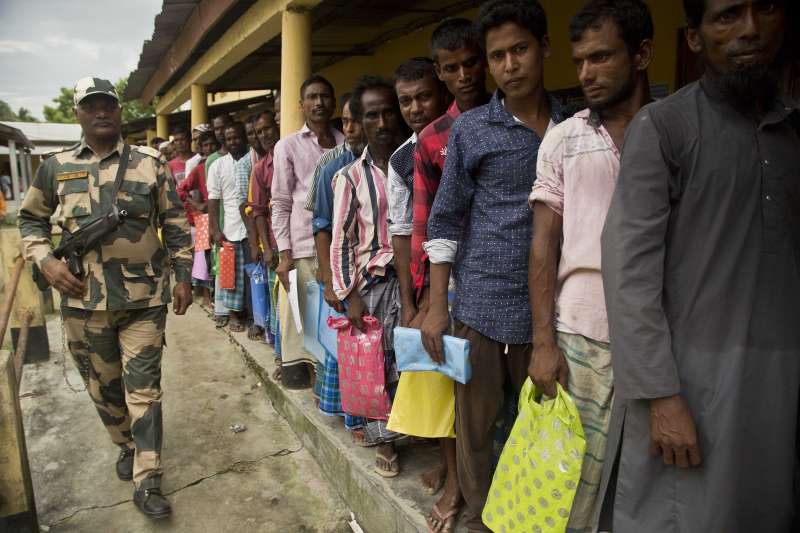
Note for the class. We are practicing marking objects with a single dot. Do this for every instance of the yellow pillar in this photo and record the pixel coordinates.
(199, 104)
(150, 134)
(162, 126)
(295, 66)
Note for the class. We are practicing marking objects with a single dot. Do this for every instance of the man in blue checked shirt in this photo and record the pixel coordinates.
(481, 226)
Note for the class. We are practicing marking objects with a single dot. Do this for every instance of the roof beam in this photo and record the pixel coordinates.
(255, 27)
(206, 14)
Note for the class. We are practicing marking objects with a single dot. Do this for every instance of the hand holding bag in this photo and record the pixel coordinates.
(227, 266)
(258, 293)
(412, 357)
(362, 368)
(540, 467)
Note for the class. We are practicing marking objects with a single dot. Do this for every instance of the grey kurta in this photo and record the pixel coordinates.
(701, 253)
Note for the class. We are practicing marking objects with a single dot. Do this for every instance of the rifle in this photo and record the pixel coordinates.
(86, 238)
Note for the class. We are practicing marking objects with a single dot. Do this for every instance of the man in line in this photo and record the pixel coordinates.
(576, 175)
(701, 277)
(459, 63)
(294, 159)
(361, 253)
(219, 124)
(480, 221)
(114, 317)
(223, 191)
(182, 148)
(194, 194)
(268, 133)
(195, 159)
(320, 195)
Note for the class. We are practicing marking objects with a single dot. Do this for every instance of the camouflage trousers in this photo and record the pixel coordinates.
(118, 354)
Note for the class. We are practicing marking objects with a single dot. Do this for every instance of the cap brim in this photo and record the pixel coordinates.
(87, 95)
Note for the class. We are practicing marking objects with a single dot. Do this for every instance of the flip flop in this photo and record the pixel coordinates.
(362, 440)
(221, 321)
(235, 326)
(393, 465)
(448, 522)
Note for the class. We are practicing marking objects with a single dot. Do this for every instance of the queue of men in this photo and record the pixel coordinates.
(642, 255)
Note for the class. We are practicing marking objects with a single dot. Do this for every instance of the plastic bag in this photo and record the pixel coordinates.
(362, 368)
(201, 238)
(540, 467)
(258, 293)
(227, 267)
(314, 301)
(424, 405)
(412, 357)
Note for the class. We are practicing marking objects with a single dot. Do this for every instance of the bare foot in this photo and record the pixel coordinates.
(433, 479)
(255, 332)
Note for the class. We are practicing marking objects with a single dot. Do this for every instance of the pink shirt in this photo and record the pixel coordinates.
(178, 168)
(576, 174)
(294, 160)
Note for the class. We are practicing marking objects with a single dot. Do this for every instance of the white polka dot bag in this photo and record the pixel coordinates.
(540, 467)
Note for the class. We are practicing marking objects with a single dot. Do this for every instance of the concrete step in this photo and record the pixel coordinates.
(381, 505)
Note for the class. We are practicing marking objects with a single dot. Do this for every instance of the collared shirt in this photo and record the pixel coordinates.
(295, 159)
(327, 157)
(429, 160)
(260, 196)
(576, 173)
(323, 207)
(131, 268)
(195, 181)
(360, 248)
(193, 162)
(242, 170)
(401, 181)
(221, 183)
(482, 204)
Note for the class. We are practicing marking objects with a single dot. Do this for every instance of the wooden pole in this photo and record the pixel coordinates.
(11, 292)
(22, 344)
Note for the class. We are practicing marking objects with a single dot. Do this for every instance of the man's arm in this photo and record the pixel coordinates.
(283, 182)
(399, 199)
(548, 364)
(345, 271)
(322, 225)
(213, 184)
(633, 251)
(177, 238)
(450, 207)
(243, 178)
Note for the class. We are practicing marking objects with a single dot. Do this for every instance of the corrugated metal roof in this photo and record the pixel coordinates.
(168, 24)
(8, 132)
(48, 132)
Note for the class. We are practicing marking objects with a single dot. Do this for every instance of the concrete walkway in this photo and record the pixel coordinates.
(262, 479)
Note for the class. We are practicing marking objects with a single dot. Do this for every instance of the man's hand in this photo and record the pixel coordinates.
(547, 366)
(419, 319)
(269, 258)
(255, 250)
(435, 325)
(217, 237)
(181, 297)
(285, 265)
(331, 298)
(355, 309)
(673, 434)
(408, 311)
(58, 276)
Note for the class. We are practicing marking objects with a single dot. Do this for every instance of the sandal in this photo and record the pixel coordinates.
(360, 439)
(442, 523)
(221, 321)
(235, 325)
(394, 465)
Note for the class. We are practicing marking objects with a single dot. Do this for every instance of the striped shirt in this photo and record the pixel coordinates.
(326, 158)
(401, 179)
(361, 248)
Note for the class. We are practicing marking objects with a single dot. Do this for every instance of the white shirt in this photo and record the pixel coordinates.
(191, 163)
(221, 184)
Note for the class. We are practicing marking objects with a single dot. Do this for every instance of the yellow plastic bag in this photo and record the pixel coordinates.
(424, 405)
(540, 467)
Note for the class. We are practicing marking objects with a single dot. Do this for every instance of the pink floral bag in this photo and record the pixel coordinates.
(362, 377)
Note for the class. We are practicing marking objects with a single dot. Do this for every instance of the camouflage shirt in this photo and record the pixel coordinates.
(131, 268)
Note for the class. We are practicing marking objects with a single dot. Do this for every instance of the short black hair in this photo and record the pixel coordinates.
(207, 135)
(226, 118)
(316, 78)
(453, 34)
(415, 69)
(237, 125)
(155, 141)
(632, 17)
(528, 14)
(694, 9)
(344, 99)
(366, 83)
(268, 112)
(180, 128)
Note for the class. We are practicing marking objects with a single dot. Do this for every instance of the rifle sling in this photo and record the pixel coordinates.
(124, 158)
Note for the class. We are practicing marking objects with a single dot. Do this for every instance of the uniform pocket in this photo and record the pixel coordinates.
(136, 198)
(73, 195)
(140, 281)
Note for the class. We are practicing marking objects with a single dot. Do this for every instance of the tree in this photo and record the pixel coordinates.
(23, 115)
(63, 111)
(134, 109)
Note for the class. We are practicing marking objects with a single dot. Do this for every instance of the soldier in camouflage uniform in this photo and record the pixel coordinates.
(114, 318)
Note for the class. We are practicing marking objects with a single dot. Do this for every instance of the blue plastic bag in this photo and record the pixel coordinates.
(259, 297)
(314, 301)
(412, 357)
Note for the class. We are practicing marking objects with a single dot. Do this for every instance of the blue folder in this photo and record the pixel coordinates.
(317, 336)
(412, 357)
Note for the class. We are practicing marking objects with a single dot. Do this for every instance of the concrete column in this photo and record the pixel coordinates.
(12, 159)
(151, 134)
(29, 162)
(295, 66)
(162, 126)
(199, 104)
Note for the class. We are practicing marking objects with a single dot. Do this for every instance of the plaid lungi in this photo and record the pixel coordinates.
(330, 399)
(233, 299)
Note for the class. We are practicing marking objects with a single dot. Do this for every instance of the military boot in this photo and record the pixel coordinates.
(125, 463)
(148, 498)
